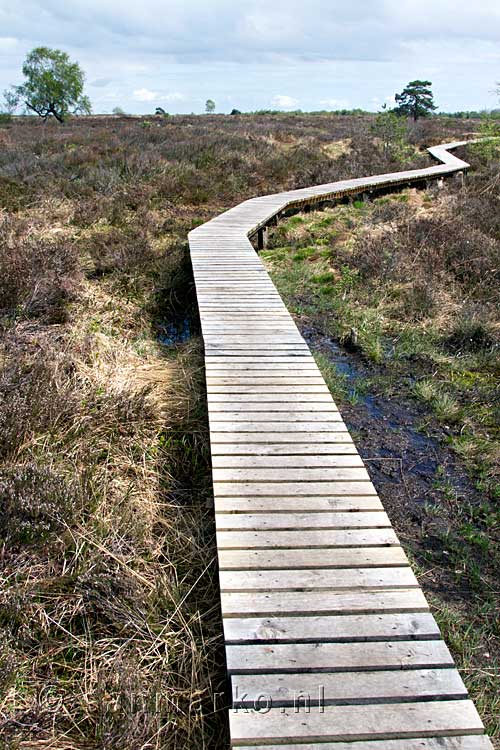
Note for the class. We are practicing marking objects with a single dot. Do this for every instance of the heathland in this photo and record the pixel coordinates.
(110, 630)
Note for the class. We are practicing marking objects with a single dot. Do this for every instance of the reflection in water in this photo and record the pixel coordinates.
(175, 331)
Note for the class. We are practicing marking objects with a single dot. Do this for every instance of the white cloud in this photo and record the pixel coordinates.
(175, 96)
(334, 103)
(284, 102)
(145, 95)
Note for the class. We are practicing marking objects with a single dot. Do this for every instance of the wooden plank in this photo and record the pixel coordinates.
(274, 397)
(295, 604)
(283, 342)
(327, 579)
(229, 386)
(306, 410)
(284, 352)
(311, 538)
(228, 338)
(416, 624)
(260, 378)
(308, 559)
(314, 449)
(270, 438)
(471, 742)
(356, 723)
(354, 688)
(286, 461)
(324, 520)
(285, 489)
(258, 658)
(291, 474)
(307, 429)
(270, 364)
(298, 504)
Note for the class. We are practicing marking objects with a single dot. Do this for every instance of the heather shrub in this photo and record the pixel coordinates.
(419, 300)
(38, 277)
(117, 249)
(35, 504)
(448, 246)
(34, 395)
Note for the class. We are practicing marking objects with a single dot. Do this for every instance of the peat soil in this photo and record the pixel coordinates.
(420, 480)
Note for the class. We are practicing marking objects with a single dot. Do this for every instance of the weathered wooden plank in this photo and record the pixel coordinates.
(293, 410)
(299, 362)
(355, 688)
(298, 504)
(308, 559)
(290, 489)
(295, 604)
(239, 379)
(416, 624)
(235, 355)
(258, 658)
(356, 723)
(249, 447)
(228, 387)
(319, 578)
(263, 423)
(296, 520)
(228, 338)
(276, 398)
(286, 461)
(277, 349)
(291, 474)
(247, 330)
(471, 742)
(268, 437)
(305, 539)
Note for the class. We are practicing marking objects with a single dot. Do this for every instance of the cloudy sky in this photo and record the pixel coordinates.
(257, 54)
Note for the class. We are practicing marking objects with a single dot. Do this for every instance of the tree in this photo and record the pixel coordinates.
(235, 112)
(416, 100)
(53, 85)
(117, 111)
(210, 106)
(392, 131)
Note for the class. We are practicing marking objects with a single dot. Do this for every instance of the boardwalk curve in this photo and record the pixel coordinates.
(329, 638)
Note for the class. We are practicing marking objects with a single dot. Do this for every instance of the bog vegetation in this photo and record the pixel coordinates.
(110, 627)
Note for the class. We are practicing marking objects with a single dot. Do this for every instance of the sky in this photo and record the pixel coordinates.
(257, 54)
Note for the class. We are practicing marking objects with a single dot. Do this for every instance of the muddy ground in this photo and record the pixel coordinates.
(407, 458)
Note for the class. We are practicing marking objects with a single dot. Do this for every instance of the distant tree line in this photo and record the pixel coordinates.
(53, 86)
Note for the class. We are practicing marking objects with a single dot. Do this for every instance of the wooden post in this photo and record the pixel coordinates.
(262, 238)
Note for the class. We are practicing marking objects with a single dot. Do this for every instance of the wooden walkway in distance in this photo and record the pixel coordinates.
(327, 631)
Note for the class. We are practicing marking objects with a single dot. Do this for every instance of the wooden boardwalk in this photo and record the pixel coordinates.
(329, 638)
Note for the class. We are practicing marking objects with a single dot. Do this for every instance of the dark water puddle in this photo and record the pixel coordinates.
(176, 319)
(420, 480)
(177, 330)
